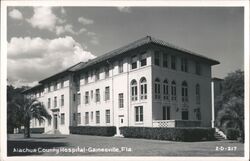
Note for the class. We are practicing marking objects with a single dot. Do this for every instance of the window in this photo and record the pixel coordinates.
(173, 91)
(49, 103)
(92, 94)
(86, 97)
(86, 78)
(165, 60)
(86, 118)
(197, 68)
(49, 121)
(74, 117)
(62, 83)
(106, 72)
(55, 101)
(166, 113)
(133, 90)
(184, 65)
(62, 118)
(157, 89)
(107, 116)
(197, 113)
(62, 100)
(107, 93)
(134, 62)
(97, 74)
(121, 100)
(173, 62)
(78, 118)
(97, 117)
(120, 66)
(97, 95)
(138, 114)
(157, 58)
(143, 60)
(92, 116)
(78, 98)
(165, 90)
(184, 115)
(143, 88)
(184, 91)
(74, 97)
(55, 86)
(197, 93)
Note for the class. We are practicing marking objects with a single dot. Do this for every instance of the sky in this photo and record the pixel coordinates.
(45, 40)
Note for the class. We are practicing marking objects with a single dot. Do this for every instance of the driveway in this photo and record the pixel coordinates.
(84, 145)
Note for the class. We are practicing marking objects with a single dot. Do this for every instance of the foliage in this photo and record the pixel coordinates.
(232, 134)
(230, 104)
(93, 130)
(175, 134)
(38, 130)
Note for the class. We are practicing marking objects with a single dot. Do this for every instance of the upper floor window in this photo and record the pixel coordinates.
(121, 100)
(86, 97)
(165, 60)
(157, 58)
(97, 74)
(49, 88)
(173, 91)
(106, 70)
(143, 83)
(55, 86)
(62, 83)
(197, 93)
(97, 95)
(86, 78)
(173, 62)
(107, 93)
(165, 90)
(197, 68)
(157, 89)
(120, 66)
(62, 100)
(143, 59)
(133, 90)
(49, 103)
(92, 94)
(55, 101)
(184, 91)
(184, 64)
(134, 62)
(78, 98)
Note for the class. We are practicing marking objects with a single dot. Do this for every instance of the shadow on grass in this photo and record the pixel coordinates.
(30, 147)
(59, 137)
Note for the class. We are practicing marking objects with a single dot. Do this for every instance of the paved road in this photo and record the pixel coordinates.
(77, 145)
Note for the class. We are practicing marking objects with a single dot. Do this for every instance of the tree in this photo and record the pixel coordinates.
(230, 104)
(27, 109)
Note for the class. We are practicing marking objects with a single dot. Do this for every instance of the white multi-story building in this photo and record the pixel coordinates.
(146, 83)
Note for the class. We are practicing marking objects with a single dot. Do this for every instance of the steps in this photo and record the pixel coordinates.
(54, 131)
(219, 135)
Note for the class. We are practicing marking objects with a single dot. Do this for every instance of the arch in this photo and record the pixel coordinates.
(143, 88)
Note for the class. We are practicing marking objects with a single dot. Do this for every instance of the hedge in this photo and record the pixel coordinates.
(93, 130)
(174, 134)
(39, 130)
(232, 134)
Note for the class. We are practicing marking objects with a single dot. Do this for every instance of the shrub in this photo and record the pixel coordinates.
(38, 130)
(174, 134)
(232, 134)
(93, 130)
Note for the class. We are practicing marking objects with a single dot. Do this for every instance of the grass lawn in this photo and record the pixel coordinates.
(49, 145)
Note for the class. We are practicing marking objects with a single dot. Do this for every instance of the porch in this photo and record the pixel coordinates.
(176, 123)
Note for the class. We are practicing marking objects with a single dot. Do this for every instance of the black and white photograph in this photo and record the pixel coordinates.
(124, 80)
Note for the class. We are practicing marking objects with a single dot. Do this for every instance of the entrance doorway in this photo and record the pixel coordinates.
(165, 113)
(120, 124)
(55, 121)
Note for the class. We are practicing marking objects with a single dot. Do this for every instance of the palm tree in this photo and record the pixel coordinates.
(27, 109)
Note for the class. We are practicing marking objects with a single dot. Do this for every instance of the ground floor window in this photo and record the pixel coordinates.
(97, 115)
(78, 118)
(138, 113)
(62, 118)
(107, 116)
(86, 118)
(184, 115)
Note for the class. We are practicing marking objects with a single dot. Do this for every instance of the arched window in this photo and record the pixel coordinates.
(165, 90)
(143, 83)
(184, 91)
(197, 93)
(133, 90)
(157, 89)
(173, 91)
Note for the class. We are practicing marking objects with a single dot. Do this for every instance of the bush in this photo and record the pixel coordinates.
(232, 134)
(174, 134)
(34, 130)
(93, 130)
